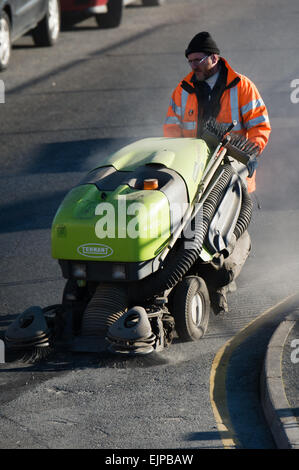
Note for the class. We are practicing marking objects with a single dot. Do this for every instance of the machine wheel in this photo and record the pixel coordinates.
(47, 31)
(191, 308)
(153, 3)
(112, 18)
(5, 40)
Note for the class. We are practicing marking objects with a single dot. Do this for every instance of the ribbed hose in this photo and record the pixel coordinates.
(107, 305)
(178, 263)
(245, 213)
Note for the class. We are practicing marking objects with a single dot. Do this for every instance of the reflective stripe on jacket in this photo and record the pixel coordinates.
(241, 102)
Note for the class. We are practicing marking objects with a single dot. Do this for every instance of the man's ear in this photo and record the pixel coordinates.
(214, 58)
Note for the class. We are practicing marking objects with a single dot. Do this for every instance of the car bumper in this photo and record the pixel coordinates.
(91, 6)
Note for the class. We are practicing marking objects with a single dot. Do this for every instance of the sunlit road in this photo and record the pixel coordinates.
(66, 108)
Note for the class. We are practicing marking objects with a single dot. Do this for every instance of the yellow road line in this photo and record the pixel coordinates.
(218, 373)
(218, 398)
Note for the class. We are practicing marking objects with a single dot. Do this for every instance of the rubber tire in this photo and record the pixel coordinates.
(4, 17)
(152, 3)
(184, 294)
(41, 34)
(112, 18)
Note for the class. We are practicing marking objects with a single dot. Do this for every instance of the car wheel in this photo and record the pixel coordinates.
(112, 18)
(152, 3)
(47, 31)
(191, 308)
(5, 41)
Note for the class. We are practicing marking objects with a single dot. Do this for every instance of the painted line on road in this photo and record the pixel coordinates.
(219, 368)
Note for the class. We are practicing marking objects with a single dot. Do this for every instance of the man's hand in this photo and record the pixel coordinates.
(252, 166)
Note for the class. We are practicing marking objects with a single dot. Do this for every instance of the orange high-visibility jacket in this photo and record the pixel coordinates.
(240, 101)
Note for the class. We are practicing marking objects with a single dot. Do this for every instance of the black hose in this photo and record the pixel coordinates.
(178, 262)
(107, 305)
(217, 276)
(245, 213)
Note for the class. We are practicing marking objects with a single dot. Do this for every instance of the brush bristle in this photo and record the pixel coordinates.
(237, 141)
(36, 355)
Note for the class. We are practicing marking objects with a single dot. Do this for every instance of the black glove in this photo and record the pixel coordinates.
(252, 166)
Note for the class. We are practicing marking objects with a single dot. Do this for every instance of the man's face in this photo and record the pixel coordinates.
(203, 65)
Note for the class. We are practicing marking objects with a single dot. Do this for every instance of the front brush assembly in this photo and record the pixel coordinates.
(238, 147)
(33, 331)
(132, 333)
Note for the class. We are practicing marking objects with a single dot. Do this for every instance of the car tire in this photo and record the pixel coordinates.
(191, 308)
(5, 40)
(112, 18)
(47, 31)
(152, 3)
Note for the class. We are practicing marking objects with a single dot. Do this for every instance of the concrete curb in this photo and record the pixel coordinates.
(283, 424)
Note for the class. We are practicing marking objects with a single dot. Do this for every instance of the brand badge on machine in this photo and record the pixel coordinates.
(95, 250)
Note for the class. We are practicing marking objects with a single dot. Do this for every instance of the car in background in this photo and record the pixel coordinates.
(17, 17)
(108, 13)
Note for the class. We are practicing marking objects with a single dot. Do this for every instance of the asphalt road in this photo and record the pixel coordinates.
(65, 108)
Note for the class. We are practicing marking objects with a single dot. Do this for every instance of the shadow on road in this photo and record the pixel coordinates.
(37, 212)
(74, 156)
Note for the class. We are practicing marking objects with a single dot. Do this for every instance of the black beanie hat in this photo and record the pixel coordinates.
(202, 42)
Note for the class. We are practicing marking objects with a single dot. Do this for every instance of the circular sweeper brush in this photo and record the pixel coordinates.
(132, 333)
(33, 331)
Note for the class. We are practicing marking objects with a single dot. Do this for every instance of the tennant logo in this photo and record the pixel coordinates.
(94, 250)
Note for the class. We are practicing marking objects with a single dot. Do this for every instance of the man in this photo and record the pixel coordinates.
(214, 89)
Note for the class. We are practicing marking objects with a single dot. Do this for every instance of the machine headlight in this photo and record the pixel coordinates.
(119, 271)
(79, 270)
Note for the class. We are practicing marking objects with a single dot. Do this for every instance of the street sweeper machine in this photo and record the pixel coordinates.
(141, 242)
